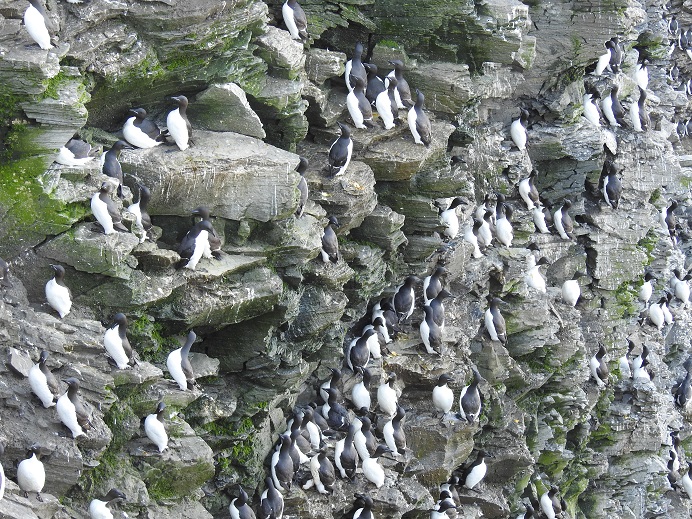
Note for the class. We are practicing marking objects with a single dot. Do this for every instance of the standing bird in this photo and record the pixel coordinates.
(471, 236)
(31, 475)
(43, 383)
(591, 111)
(333, 382)
(419, 123)
(540, 214)
(140, 131)
(359, 354)
(214, 241)
(686, 481)
(358, 106)
(281, 465)
(98, 508)
(503, 226)
(179, 126)
(110, 163)
(443, 396)
(57, 293)
(668, 220)
(340, 152)
(571, 291)
(372, 470)
(105, 211)
(239, 509)
(35, 23)
(178, 364)
(610, 184)
(346, 456)
(301, 168)
(449, 218)
(432, 284)
(330, 242)
(405, 298)
(335, 413)
(563, 221)
(75, 153)
(393, 432)
(528, 191)
(295, 20)
(683, 393)
(387, 398)
(430, 332)
(71, 410)
(470, 400)
(656, 315)
(323, 473)
(116, 342)
(3, 479)
(375, 85)
(474, 473)
(365, 510)
(533, 278)
(599, 367)
(644, 119)
(271, 501)
(494, 322)
(354, 67)
(5, 274)
(615, 113)
(624, 363)
(360, 394)
(641, 74)
(155, 429)
(438, 308)
(195, 244)
(139, 209)
(402, 94)
(383, 104)
(518, 132)
(603, 62)
(681, 287)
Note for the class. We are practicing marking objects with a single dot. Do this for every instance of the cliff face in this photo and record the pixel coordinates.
(272, 318)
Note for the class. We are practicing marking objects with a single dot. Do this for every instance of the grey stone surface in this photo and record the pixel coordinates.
(224, 108)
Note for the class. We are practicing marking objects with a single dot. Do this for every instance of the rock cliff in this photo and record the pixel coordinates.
(272, 318)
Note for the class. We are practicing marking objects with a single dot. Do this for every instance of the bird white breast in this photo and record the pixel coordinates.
(682, 291)
(443, 398)
(137, 137)
(68, 415)
(384, 108)
(114, 347)
(451, 222)
(518, 134)
(290, 22)
(557, 220)
(595, 364)
(386, 399)
(539, 220)
(361, 396)
(354, 110)
(547, 506)
(641, 75)
(177, 127)
(31, 476)
(338, 450)
(373, 343)
(667, 316)
(39, 385)
(471, 238)
(490, 325)
(156, 432)
(347, 74)
(373, 471)
(201, 244)
(173, 362)
(485, 236)
(100, 210)
(641, 374)
(315, 471)
(535, 280)
(603, 62)
(425, 336)
(687, 483)
(388, 433)
(590, 111)
(625, 369)
(99, 510)
(2, 483)
(634, 116)
(656, 315)
(524, 189)
(58, 297)
(504, 232)
(135, 210)
(571, 292)
(412, 118)
(476, 475)
(607, 107)
(275, 460)
(36, 27)
(67, 158)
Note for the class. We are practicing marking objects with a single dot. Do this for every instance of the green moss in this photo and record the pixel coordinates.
(147, 338)
(655, 196)
(648, 243)
(53, 85)
(625, 298)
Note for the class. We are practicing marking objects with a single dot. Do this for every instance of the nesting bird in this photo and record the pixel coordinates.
(75, 153)
(195, 245)
(98, 508)
(142, 132)
(31, 475)
(474, 473)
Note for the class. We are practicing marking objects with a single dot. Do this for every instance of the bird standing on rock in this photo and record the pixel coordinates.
(179, 126)
(110, 163)
(57, 293)
(517, 131)
(116, 342)
(330, 242)
(71, 410)
(43, 383)
(340, 152)
(402, 94)
(301, 168)
(419, 123)
(98, 508)
(178, 364)
(295, 20)
(354, 67)
(405, 298)
(35, 23)
(31, 475)
(105, 211)
(155, 429)
(494, 322)
(195, 245)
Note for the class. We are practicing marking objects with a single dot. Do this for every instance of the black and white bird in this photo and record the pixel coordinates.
(430, 332)
(470, 400)
(271, 501)
(612, 108)
(443, 396)
(541, 217)
(105, 211)
(418, 121)
(3, 479)
(603, 62)
(360, 394)
(656, 314)
(239, 508)
(372, 470)
(214, 250)
(449, 218)
(680, 286)
(179, 366)
(610, 184)
(35, 23)
(155, 428)
(195, 245)
(683, 392)
(75, 153)
(354, 67)
(346, 456)
(393, 432)
(591, 110)
(57, 293)
(518, 129)
(386, 106)
(179, 126)
(669, 221)
(405, 298)
(43, 383)
(295, 20)
(142, 132)
(281, 465)
(686, 481)
(387, 399)
(71, 409)
(432, 284)
(116, 342)
(599, 367)
(98, 508)
(359, 353)
(504, 231)
(550, 504)
(624, 362)
(330, 242)
(110, 163)
(323, 473)
(31, 475)
(471, 236)
(474, 473)
(563, 221)
(333, 382)
(5, 274)
(139, 209)
(335, 413)
(365, 511)
(340, 152)
(528, 191)
(571, 290)
(375, 85)
(533, 277)
(358, 105)
(364, 440)
(402, 94)
(301, 168)
(495, 322)
(641, 74)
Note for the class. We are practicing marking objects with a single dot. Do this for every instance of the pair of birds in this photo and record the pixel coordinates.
(144, 133)
(470, 398)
